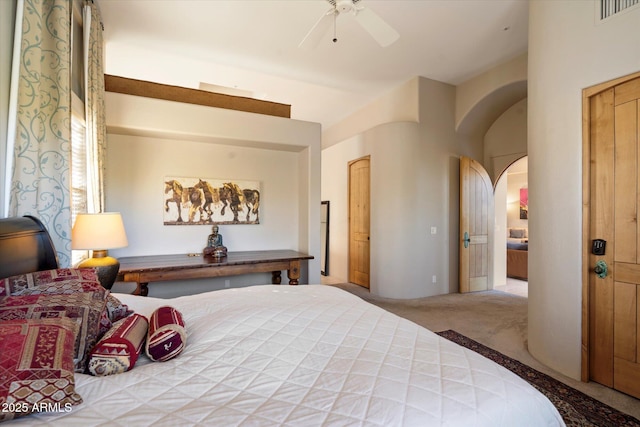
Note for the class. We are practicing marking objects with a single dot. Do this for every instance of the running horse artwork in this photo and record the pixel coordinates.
(211, 196)
(193, 198)
(176, 196)
(252, 197)
(232, 196)
(211, 201)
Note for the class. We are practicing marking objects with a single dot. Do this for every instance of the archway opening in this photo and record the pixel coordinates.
(511, 239)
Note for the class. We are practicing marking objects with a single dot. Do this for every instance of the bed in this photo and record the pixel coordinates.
(518, 260)
(298, 356)
(518, 253)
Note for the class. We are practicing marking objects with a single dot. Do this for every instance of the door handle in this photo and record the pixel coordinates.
(466, 240)
(601, 269)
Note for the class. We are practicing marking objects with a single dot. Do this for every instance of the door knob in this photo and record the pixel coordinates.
(601, 269)
(466, 239)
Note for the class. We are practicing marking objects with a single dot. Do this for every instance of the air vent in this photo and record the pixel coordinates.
(609, 8)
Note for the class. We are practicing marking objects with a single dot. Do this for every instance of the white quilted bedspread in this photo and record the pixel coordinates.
(304, 356)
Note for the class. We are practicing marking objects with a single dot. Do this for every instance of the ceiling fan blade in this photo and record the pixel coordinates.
(382, 32)
(319, 29)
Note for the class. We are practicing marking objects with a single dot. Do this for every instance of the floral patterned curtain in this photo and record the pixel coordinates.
(41, 154)
(94, 106)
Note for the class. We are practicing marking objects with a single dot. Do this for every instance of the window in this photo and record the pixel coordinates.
(78, 168)
(609, 8)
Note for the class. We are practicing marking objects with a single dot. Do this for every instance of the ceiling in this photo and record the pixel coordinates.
(520, 166)
(252, 46)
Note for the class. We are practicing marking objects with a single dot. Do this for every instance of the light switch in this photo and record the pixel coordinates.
(434, 230)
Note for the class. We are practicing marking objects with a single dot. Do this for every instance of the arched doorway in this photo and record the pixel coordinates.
(511, 229)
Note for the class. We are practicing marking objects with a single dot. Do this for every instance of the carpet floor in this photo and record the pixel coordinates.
(575, 407)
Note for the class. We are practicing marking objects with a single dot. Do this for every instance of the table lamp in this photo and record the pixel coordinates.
(98, 233)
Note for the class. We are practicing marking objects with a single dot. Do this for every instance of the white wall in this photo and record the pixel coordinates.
(335, 189)
(506, 140)
(398, 237)
(481, 100)
(150, 139)
(568, 51)
(500, 232)
(414, 186)
(188, 69)
(401, 104)
(399, 240)
(432, 170)
(471, 93)
(135, 187)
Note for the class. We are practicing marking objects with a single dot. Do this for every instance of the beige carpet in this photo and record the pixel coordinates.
(493, 318)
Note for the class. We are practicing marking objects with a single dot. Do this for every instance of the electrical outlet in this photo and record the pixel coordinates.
(433, 279)
(227, 283)
(434, 230)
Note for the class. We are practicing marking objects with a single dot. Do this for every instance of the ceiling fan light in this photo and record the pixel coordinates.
(382, 32)
(345, 6)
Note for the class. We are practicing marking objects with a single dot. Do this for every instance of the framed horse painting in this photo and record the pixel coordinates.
(197, 201)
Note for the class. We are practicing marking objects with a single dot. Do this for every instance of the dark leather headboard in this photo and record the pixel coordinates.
(25, 247)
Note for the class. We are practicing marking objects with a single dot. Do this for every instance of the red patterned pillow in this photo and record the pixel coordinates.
(63, 281)
(36, 361)
(70, 278)
(69, 281)
(118, 350)
(167, 336)
(85, 308)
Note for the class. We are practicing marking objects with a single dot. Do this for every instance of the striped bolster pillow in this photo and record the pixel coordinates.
(167, 336)
(120, 347)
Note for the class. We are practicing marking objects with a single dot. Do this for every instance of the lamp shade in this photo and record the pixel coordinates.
(98, 231)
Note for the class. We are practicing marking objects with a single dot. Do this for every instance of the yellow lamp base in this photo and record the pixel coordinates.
(106, 267)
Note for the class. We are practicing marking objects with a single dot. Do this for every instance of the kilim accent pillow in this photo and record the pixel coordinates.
(167, 336)
(118, 350)
(36, 361)
(66, 280)
(85, 308)
(69, 281)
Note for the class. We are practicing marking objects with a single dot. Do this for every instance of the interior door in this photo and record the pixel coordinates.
(359, 208)
(476, 220)
(614, 276)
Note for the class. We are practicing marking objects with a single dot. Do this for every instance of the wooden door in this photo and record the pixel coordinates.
(476, 220)
(614, 206)
(359, 221)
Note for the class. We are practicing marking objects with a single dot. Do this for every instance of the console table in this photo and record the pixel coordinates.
(156, 268)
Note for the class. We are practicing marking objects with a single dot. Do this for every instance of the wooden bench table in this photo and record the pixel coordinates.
(157, 268)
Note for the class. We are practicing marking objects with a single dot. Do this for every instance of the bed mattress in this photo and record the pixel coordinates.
(303, 356)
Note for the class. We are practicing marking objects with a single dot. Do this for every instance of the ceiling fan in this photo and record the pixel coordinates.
(382, 32)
